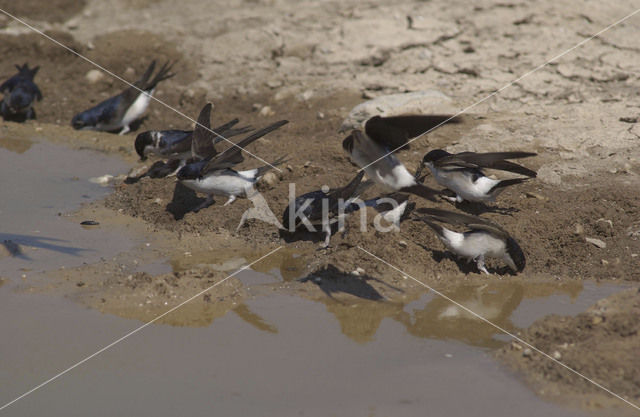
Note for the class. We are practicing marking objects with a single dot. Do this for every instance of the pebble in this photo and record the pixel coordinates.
(103, 180)
(320, 115)
(136, 172)
(358, 272)
(556, 355)
(596, 242)
(402, 243)
(270, 179)
(274, 83)
(529, 194)
(89, 223)
(266, 111)
(579, 229)
(527, 353)
(94, 75)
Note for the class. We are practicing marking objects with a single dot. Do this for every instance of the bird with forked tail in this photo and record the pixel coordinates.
(118, 112)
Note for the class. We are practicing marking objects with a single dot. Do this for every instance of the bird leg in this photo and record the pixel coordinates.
(231, 199)
(480, 264)
(124, 130)
(326, 228)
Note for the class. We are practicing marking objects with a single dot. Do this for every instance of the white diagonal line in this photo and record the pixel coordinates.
(502, 330)
(134, 331)
(132, 85)
(579, 44)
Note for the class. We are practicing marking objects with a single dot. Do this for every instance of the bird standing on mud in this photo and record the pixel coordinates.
(372, 150)
(20, 93)
(485, 239)
(118, 112)
(211, 173)
(462, 173)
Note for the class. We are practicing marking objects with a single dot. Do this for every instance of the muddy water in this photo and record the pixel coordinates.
(278, 355)
(40, 183)
(270, 355)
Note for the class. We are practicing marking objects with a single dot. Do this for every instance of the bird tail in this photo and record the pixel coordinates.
(499, 187)
(421, 190)
(226, 130)
(264, 169)
(162, 75)
(431, 222)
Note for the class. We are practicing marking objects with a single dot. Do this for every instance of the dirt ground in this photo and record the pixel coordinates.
(311, 62)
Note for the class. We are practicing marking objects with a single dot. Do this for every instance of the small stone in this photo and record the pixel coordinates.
(270, 179)
(358, 272)
(158, 201)
(537, 196)
(136, 172)
(103, 180)
(604, 262)
(266, 111)
(94, 75)
(402, 244)
(89, 223)
(256, 106)
(289, 168)
(80, 284)
(516, 346)
(448, 355)
(629, 119)
(274, 83)
(306, 96)
(596, 242)
(604, 227)
(597, 320)
(307, 164)
(527, 353)
(579, 229)
(320, 115)
(556, 355)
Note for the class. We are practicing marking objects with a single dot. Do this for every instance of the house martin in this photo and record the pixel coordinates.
(463, 173)
(19, 94)
(118, 112)
(484, 239)
(211, 173)
(324, 208)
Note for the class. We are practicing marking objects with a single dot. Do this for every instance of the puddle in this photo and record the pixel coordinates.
(40, 183)
(286, 264)
(255, 351)
(272, 355)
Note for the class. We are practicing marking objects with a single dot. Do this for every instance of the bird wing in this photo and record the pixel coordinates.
(395, 131)
(233, 155)
(490, 160)
(202, 139)
(472, 222)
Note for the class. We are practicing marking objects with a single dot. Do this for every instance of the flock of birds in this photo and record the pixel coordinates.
(373, 145)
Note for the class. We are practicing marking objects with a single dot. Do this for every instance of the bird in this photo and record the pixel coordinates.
(211, 173)
(20, 92)
(323, 207)
(177, 143)
(484, 239)
(462, 173)
(118, 112)
(372, 149)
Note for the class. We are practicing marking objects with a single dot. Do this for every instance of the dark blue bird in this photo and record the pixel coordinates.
(322, 207)
(177, 143)
(20, 92)
(118, 112)
(211, 172)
